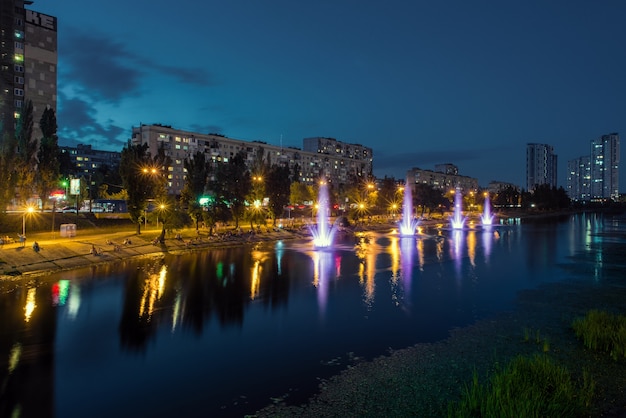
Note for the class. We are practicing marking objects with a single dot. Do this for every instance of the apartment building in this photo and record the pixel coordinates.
(334, 160)
(604, 162)
(579, 178)
(541, 166)
(28, 63)
(443, 180)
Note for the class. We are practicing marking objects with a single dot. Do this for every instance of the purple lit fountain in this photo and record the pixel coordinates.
(457, 221)
(322, 232)
(487, 217)
(408, 224)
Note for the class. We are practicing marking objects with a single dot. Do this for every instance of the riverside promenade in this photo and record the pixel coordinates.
(56, 253)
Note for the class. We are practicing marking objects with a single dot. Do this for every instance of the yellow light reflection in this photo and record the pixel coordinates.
(471, 247)
(14, 356)
(30, 304)
(152, 291)
(255, 281)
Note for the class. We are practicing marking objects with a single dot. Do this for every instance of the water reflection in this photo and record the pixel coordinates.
(198, 315)
(367, 250)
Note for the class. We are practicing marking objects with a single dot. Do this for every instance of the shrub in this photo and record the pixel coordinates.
(602, 331)
(527, 387)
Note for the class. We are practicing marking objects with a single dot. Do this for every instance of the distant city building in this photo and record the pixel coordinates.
(447, 168)
(496, 187)
(87, 163)
(605, 167)
(541, 166)
(441, 180)
(28, 63)
(579, 178)
(595, 177)
(337, 161)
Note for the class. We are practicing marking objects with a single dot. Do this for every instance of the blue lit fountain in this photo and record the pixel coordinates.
(408, 223)
(487, 217)
(323, 233)
(458, 220)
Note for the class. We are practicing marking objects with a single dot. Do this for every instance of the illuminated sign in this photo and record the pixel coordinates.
(75, 186)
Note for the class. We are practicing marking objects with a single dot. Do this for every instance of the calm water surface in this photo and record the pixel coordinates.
(222, 332)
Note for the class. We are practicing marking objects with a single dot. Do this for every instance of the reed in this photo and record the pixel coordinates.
(602, 331)
(526, 387)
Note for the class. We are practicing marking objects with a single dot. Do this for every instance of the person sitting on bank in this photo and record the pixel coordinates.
(36, 246)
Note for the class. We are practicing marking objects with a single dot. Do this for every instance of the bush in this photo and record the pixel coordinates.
(602, 331)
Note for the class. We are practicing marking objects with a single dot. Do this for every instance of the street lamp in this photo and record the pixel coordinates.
(29, 210)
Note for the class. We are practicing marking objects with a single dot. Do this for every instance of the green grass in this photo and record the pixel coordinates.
(526, 387)
(602, 331)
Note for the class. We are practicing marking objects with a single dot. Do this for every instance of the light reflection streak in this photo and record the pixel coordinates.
(152, 291)
(471, 247)
(73, 301)
(420, 254)
(279, 256)
(177, 310)
(367, 252)
(406, 247)
(457, 236)
(256, 273)
(487, 241)
(14, 356)
(255, 281)
(30, 304)
(322, 263)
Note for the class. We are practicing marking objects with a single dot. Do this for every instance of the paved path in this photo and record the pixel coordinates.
(66, 253)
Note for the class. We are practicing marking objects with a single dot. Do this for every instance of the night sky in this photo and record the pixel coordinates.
(421, 82)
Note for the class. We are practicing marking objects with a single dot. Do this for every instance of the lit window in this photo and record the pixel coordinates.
(19, 57)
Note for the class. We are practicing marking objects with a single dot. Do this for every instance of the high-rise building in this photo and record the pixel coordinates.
(579, 178)
(605, 167)
(541, 164)
(28, 63)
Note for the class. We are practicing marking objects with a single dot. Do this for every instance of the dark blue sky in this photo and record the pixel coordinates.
(421, 82)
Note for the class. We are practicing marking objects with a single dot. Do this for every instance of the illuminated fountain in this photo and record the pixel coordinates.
(487, 217)
(408, 224)
(457, 221)
(323, 232)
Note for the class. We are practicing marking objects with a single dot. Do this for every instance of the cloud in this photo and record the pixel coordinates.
(104, 69)
(79, 125)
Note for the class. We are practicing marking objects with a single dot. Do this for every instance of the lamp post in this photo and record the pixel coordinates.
(29, 209)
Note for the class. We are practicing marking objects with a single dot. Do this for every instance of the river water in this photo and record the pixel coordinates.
(223, 332)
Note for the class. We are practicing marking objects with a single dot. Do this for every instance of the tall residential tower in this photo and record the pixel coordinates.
(541, 162)
(28, 63)
(605, 167)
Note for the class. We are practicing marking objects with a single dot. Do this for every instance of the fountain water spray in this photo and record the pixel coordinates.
(323, 232)
(457, 221)
(408, 224)
(487, 216)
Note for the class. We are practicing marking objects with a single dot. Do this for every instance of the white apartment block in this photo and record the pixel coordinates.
(336, 161)
(441, 180)
(541, 166)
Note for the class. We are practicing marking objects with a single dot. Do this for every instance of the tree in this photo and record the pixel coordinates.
(47, 176)
(232, 185)
(25, 161)
(300, 193)
(195, 184)
(7, 172)
(278, 188)
(133, 160)
(428, 197)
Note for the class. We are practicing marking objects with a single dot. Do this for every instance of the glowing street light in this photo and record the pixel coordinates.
(29, 210)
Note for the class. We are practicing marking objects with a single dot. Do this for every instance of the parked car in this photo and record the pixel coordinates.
(69, 209)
